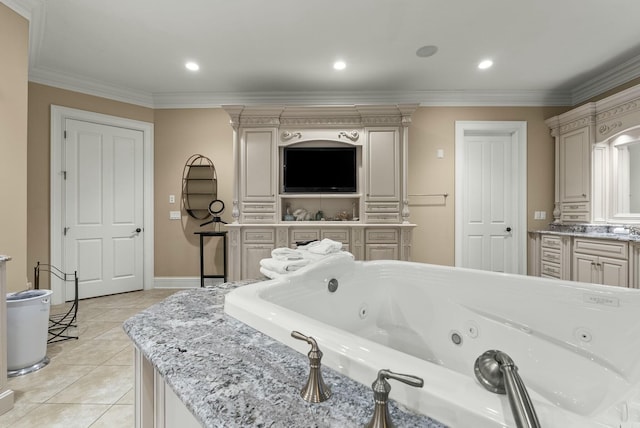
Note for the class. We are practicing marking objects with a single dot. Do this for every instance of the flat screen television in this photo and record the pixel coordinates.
(319, 169)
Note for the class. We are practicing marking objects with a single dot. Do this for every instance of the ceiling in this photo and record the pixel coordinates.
(545, 52)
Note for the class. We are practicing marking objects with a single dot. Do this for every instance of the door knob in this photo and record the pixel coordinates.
(508, 229)
(138, 230)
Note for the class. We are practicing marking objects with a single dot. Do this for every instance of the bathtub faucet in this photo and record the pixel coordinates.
(497, 372)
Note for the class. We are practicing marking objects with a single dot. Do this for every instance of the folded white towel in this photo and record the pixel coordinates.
(326, 246)
(270, 274)
(285, 253)
(283, 266)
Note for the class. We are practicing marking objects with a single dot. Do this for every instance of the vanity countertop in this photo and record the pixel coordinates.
(230, 375)
(596, 233)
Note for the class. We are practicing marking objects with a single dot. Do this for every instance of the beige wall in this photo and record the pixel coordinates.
(178, 135)
(433, 128)
(14, 45)
(41, 97)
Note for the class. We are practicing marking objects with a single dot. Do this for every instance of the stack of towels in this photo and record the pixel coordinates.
(287, 260)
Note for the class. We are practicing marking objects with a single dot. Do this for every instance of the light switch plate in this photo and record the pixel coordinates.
(174, 215)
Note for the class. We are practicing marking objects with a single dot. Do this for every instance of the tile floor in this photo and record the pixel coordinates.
(89, 382)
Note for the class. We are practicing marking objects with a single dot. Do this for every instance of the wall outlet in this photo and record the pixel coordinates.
(172, 199)
(174, 215)
(440, 154)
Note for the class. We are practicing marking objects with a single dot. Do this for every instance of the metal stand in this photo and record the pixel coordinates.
(60, 324)
(224, 252)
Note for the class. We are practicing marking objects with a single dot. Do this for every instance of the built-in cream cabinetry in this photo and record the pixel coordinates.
(574, 134)
(258, 169)
(555, 256)
(634, 264)
(377, 214)
(600, 261)
(382, 193)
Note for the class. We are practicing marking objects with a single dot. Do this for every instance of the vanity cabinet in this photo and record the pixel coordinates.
(634, 265)
(601, 262)
(555, 257)
(257, 245)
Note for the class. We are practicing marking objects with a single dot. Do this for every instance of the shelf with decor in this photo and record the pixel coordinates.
(199, 186)
(315, 207)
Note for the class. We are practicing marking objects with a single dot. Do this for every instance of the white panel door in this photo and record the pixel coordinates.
(103, 208)
(487, 211)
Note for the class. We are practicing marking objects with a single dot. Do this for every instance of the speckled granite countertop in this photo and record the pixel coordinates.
(230, 375)
(593, 231)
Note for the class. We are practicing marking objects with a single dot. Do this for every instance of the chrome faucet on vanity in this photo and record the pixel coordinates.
(497, 372)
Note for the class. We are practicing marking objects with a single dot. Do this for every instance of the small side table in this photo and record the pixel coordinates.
(224, 252)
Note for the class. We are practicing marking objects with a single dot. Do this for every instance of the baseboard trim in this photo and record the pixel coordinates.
(6, 401)
(183, 282)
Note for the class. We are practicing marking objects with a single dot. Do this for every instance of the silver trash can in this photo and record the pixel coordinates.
(27, 331)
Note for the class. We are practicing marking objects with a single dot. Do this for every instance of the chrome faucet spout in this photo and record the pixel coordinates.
(497, 372)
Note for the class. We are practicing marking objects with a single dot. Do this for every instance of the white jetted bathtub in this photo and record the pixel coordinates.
(577, 346)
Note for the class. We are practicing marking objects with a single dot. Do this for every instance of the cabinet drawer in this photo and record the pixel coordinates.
(575, 207)
(258, 207)
(382, 207)
(258, 218)
(305, 235)
(258, 236)
(381, 218)
(381, 236)
(598, 247)
(550, 241)
(575, 217)
(340, 235)
(551, 270)
(551, 255)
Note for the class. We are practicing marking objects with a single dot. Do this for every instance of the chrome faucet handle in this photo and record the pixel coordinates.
(315, 390)
(381, 389)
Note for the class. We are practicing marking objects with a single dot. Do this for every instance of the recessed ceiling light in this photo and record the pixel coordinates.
(339, 65)
(192, 66)
(487, 63)
(427, 51)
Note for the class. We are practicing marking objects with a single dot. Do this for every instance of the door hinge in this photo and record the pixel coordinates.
(64, 175)
(66, 229)
(65, 134)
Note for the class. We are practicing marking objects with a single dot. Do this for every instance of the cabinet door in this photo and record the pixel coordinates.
(258, 166)
(614, 271)
(381, 251)
(575, 165)
(585, 269)
(383, 165)
(251, 256)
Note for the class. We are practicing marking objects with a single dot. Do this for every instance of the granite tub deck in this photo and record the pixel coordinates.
(230, 375)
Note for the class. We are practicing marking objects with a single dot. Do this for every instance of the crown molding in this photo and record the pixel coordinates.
(457, 98)
(423, 98)
(90, 87)
(610, 79)
(22, 8)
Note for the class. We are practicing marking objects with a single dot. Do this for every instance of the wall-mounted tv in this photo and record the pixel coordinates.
(319, 169)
